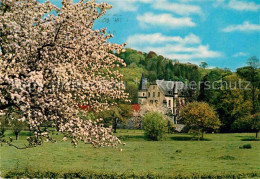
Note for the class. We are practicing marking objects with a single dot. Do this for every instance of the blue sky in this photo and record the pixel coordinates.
(224, 33)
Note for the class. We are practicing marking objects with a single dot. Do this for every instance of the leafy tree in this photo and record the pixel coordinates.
(255, 123)
(17, 126)
(131, 74)
(151, 76)
(247, 124)
(132, 90)
(231, 102)
(187, 71)
(208, 91)
(154, 126)
(252, 74)
(242, 124)
(253, 62)
(200, 116)
(151, 54)
(132, 56)
(54, 51)
(204, 65)
(169, 75)
(3, 125)
(116, 114)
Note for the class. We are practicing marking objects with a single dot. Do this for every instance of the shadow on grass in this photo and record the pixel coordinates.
(131, 137)
(250, 139)
(188, 138)
(175, 138)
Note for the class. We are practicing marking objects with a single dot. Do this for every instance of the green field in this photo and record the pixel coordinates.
(178, 154)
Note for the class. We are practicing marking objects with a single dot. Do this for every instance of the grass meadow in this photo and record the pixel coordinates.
(177, 154)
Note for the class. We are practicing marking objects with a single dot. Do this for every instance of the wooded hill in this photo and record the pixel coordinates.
(234, 95)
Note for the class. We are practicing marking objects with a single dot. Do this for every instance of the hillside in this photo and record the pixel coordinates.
(234, 95)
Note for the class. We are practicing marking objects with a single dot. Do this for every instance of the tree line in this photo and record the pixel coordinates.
(234, 95)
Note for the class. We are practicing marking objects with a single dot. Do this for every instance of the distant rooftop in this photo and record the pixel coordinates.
(168, 86)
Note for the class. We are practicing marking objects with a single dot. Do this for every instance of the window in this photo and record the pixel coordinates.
(153, 94)
(151, 101)
(159, 94)
(143, 94)
(169, 103)
(153, 87)
(148, 94)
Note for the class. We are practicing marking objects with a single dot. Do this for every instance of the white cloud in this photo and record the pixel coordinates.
(238, 5)
(240, 54)
(183, 52)
(177, 8)
(125, 5)
(158, 38)
(245, 27)
(243, 5)
(211, 67)
(167, 20)
(182, 7)
(188, 48)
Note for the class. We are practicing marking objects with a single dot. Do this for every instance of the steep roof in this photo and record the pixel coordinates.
(168, 86)
(143, 83)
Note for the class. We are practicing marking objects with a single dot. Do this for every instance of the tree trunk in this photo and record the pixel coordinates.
(256, 134)
(16, 135)
(115, 125)
(202, 135)
(253, 92)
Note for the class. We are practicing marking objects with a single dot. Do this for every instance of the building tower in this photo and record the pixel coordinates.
(142, 91)
(175, 101)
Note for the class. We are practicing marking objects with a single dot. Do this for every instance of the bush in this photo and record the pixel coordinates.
(227, 157)
(154, 126)
(246, 146)
(171, 126)
(105, 175)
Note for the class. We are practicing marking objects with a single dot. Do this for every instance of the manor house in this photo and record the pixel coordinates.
(169, 94)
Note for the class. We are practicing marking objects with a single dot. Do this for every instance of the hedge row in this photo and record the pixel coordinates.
(99, 175)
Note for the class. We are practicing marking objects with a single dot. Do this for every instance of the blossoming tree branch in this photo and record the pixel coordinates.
(41, 51)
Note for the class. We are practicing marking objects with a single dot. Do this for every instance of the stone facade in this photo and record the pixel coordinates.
(169, 94)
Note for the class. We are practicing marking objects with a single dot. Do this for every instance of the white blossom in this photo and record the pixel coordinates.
(38, 55)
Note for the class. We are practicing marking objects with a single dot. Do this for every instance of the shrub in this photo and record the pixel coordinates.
(227, 157)
(178, 151)
(105, 175)
(246, 146)
(171, 126)
(154, 125)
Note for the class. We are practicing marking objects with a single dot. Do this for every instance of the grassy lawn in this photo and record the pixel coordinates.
(178, 154)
